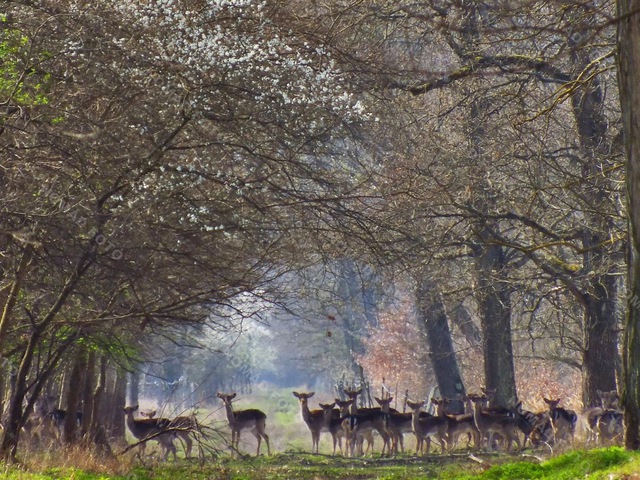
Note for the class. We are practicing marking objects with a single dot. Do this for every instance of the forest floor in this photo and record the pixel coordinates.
(612, 463)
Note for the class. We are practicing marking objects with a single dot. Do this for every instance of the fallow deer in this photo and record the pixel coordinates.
(333, 421)
(363, 434)
(150, 429)
(399, 423)
(182, 426)
(250, 419)
(314, 419)
(504, 425)
(563, 422)
(591, 416)
(426, 427)
(457, 425)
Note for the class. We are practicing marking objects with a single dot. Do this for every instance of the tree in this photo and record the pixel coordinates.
(628, 57)
(156, 170)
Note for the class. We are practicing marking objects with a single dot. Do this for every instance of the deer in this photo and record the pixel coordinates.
(563, 422)
(314, 419)
(504, 425)
(362, 433)
(182, 426)
(591, 416)
(399, 423)
(251, 419)
(425, 427)
(457, 425)
(333, 422)
(40, 424)
(151, 429)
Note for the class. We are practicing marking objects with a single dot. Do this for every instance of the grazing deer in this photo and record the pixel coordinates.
(504, 425)
(151, 429)
(425, 427)
(183, 427)
(250, 419)
(563, 422)
(314, 419)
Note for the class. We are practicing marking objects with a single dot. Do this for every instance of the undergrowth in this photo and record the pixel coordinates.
(610, 464)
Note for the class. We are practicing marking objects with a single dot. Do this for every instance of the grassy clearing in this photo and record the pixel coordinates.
(602, 464)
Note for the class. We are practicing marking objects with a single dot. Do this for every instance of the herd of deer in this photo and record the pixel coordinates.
(480, 426)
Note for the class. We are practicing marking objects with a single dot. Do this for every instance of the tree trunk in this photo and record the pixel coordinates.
(119, 399)
(15, 418)
(134, 387)
(434, 321)
(495, 306)
(629, 84)
(600, 341)
(87, 395)
(600, 292)
(74, 396)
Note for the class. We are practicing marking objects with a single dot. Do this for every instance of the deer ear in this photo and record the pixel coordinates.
(296, 394)
(311, 394)
(233, 396)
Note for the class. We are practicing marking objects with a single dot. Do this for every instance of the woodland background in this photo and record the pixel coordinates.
(209, 195)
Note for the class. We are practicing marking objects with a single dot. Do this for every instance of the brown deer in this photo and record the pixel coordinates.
(488, 424)
(333, 420)
(563, 422)
(364, 434)
(457, 425)
(591, 416)
(314, 419)
(251, 419)
(183, 427)
(399, 423)
(425, 427)
(151, 429)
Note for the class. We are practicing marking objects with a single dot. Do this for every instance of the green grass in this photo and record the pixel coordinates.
(601, 464)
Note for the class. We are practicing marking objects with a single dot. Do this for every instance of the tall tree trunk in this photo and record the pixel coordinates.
(87, 395)
(433, 319)
(74, 396)
(98, 431)
(118, 399)
(15, 418)
(494, 298)
(600, 341)
(600, 292)
(629, 84)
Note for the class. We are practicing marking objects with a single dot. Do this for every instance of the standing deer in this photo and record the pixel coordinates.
(251, 419)
(425, 427)
(399, 423)
(363, 433)
(563, 421)
(151, 429)
(504, 425)
(457, 425)
(333, 421)
(183, 427)
(313, 418)
(590, 418)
